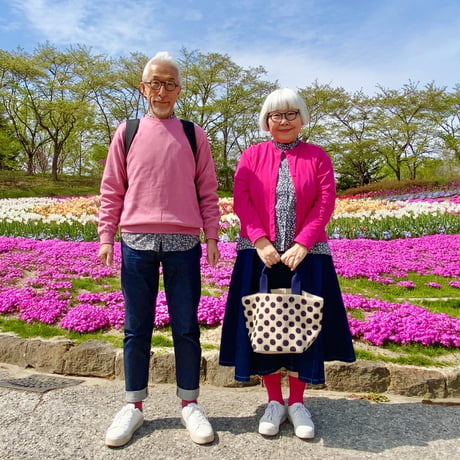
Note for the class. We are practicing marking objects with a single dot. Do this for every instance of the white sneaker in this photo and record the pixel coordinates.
(301, 419)
(125, 423)
(274, 416)
(198, 426)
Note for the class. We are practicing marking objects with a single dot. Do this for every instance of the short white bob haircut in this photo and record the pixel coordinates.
(162, 57)
(282, 100)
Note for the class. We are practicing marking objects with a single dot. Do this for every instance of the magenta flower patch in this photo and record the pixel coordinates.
(37, 276)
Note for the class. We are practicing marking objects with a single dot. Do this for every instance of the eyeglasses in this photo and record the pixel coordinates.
(278, 116)
(157, 84)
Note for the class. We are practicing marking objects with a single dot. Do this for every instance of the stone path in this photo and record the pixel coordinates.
(69, 423)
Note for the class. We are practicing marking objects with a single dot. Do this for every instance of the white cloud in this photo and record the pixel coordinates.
(354, 44)
(114, 27)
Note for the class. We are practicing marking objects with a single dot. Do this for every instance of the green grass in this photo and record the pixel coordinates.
(16, 184)
(409, 359)
(445, 300)
(92, 285)
(45, 331)
(159, 340)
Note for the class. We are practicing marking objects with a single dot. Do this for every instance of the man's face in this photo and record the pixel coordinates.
(161, 101)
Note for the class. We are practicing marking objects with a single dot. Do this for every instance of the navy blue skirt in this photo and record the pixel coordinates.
(318, 276)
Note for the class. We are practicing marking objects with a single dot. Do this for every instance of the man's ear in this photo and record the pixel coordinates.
(142, 88)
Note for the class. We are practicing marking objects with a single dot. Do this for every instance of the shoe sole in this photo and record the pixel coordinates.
(308, 436)
(277, 431)
(196, 439)
(122, 441)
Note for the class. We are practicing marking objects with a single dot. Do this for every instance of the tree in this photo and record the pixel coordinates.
(321, 101)
(340, 122)
(62, 101)
(224, 99)
(403, 127)
(9, 147)
(16, 95)
(446, 116)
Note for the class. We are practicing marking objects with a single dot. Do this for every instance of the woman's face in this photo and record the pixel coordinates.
(284, 130)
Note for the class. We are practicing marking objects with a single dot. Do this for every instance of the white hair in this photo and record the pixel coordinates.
(282, 99)
(162, 57)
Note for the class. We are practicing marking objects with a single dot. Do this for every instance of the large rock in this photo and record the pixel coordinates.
(97, 358)
(223, 376)
(94, 358)
(13, 350)
(360, 376)
(119, 364)
(417, 381)
(162, 368)
(47, 356)
(453, 382)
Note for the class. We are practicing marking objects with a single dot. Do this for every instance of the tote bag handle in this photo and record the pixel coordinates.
(263, 282)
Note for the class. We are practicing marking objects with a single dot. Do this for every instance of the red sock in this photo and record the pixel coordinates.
(186, 403)
(272, 383)
(296, 389)
(137, 404)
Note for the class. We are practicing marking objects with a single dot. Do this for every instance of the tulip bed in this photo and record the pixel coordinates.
(49, 271)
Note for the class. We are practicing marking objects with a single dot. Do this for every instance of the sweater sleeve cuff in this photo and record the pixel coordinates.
(212, 233)
(106, 238)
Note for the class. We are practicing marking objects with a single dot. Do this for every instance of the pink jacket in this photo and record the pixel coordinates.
(255, 187)
(160, 170)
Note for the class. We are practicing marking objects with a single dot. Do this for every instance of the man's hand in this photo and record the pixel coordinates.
(212, 251)
(105, 254)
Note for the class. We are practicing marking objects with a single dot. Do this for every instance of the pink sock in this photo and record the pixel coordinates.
(296, 389)
(272, 383)
(137, 404)
(186, 403)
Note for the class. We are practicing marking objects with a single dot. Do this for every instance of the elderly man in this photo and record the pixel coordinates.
(161, 195)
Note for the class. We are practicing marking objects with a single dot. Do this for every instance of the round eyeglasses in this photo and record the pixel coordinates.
(157, 84)
(278, 116)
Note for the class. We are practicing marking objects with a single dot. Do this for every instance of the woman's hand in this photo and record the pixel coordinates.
(267, 252)
(294, 255)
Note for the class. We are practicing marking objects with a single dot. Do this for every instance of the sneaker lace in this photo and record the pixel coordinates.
(198, 416)
(123, 418)
(271, 412)
(300, 410)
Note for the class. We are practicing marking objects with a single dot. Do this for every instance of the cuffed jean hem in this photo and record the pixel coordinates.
(188, 395)
(136, 396)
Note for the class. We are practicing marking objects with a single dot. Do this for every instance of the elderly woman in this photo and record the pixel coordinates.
(284, 196)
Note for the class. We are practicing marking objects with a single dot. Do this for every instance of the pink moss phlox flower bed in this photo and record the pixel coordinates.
(36, 280)
(36, 277)
(401, 323)
(385, 260)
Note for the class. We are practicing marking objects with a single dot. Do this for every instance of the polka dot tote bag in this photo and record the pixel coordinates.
(282, 320)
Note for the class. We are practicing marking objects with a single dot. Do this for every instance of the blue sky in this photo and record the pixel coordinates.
(355, 44)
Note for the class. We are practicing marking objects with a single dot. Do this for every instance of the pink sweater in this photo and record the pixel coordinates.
(160, 171)
(255, 187)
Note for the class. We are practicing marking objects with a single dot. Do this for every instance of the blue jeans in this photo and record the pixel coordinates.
(182, 281)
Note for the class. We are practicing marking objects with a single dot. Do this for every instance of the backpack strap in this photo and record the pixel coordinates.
(189, 129)
(131, 130)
